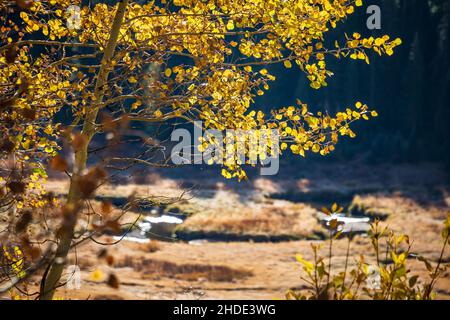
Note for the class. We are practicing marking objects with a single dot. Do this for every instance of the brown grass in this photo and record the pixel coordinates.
(153, 268)
(150, 247)
(268, 218)
(411, 198)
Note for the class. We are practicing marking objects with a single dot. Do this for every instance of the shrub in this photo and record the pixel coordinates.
(388, 279)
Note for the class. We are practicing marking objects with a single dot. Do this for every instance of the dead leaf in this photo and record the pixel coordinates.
(110, 260)
(58, 163)
(79, 141)
(23, 222)
(106, 208)
(11, 54)
(113, 281)
(16, 186)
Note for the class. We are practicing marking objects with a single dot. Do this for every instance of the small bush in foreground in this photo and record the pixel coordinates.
(389, 278)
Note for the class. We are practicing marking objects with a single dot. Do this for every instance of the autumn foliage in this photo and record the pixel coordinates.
(106, 66)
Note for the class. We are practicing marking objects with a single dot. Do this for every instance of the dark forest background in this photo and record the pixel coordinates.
(410, 90)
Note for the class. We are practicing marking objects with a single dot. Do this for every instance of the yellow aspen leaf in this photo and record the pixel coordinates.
(136, 104)
(301, 152)
(158, 113)
(48, 129)
(316, 148)
(24, 16)
(97, 275)
(230, 25)
(334, 207)
(287, 64)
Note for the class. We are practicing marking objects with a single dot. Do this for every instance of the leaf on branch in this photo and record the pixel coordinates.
(58, 163)
(23, 222)
(16, 186)
(11, 54)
